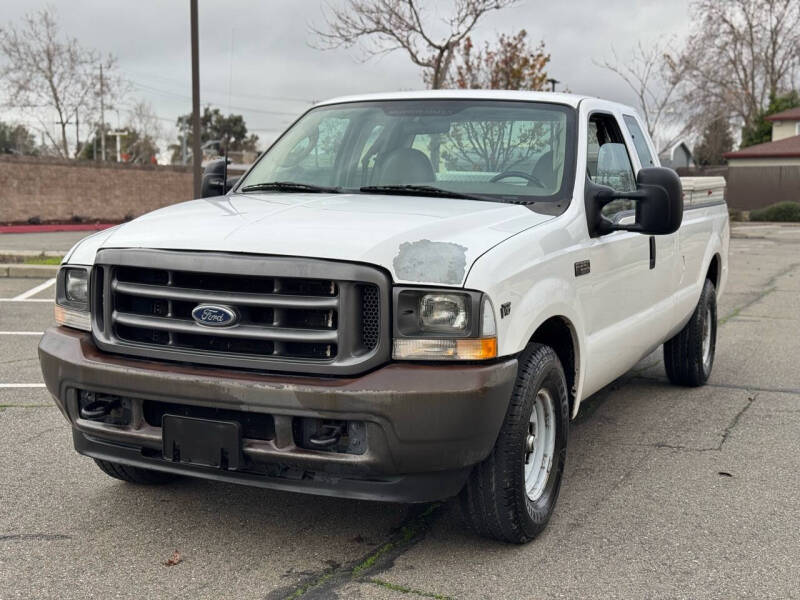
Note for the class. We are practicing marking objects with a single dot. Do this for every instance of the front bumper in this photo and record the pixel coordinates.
(426, 425)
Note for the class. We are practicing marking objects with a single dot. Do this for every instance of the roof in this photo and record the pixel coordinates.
(670, 152)
(569, 99)
(793, 114)
(785, 148)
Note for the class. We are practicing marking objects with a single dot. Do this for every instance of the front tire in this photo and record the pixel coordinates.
(689, 356)
(511, 495)
(134, 474)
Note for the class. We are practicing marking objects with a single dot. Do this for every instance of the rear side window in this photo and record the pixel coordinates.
(639, 142)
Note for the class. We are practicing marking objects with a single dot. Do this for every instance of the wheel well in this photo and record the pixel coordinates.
(713, 271)
(557, 332)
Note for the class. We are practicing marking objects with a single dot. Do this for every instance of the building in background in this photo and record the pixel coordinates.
(767, 173)
(677, 156)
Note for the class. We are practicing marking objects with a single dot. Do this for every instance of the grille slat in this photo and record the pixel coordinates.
(279, 334)
(247, 299)
(293, 314)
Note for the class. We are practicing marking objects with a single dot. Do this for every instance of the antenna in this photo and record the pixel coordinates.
(225, 171)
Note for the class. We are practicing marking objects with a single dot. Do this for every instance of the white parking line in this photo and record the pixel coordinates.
(27, 300)
(35, 290)
(21, 332)
(21, 385)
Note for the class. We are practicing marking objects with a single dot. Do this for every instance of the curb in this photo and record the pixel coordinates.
(28, 271)
(54, 228)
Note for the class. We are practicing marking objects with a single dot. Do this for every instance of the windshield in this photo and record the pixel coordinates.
(493, 150)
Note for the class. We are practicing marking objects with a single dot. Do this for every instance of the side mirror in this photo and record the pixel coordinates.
(658, 198)
(212, 183)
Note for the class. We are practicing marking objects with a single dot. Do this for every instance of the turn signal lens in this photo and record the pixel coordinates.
(70, 317)
(445, 349)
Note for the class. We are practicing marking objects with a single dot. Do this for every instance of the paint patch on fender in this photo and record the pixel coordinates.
(433, 262)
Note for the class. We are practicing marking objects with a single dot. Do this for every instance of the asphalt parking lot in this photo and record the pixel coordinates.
(668, 493)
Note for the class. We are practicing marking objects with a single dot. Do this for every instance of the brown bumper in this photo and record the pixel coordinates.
(425, 424)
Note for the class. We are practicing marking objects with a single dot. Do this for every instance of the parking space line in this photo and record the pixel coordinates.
(21, 385)
(27, 300)
(21, 332)
(35, 290)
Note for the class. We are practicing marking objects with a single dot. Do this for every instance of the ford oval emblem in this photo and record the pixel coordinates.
(215, 315)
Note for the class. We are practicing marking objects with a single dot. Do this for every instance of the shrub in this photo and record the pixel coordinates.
(782, 211)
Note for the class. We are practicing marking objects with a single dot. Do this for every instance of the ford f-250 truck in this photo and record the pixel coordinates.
(406, 298)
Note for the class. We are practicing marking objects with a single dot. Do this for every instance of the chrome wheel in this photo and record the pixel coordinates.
(707, 325)
(540, 444)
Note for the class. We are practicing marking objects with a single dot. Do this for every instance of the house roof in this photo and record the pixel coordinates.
(785, 148)
(793, 114)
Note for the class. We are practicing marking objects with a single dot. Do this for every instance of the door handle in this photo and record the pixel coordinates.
(652, 252)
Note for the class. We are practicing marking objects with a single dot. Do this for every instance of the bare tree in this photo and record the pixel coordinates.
(742, 53)
(658, 81)
(383, 26)
(45, 73)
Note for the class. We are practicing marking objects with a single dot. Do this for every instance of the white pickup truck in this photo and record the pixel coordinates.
(406, 298)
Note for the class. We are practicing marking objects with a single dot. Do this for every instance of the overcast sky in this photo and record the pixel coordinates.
(256, 57)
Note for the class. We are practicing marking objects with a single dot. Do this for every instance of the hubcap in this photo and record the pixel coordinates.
(707, 339)
(540, 445)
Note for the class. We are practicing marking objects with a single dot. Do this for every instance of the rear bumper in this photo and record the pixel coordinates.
(426, 425)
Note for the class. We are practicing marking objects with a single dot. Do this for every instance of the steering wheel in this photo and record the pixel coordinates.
(527, 176)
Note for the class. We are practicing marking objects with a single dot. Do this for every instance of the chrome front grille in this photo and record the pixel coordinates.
(293, 314)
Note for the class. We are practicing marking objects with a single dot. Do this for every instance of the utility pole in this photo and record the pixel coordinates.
(77, 136)
(197, 153)
(553, 83)
(102, 120)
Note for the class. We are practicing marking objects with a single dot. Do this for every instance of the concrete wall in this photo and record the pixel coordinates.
(58, 190)
(751, 187)
(784, 129)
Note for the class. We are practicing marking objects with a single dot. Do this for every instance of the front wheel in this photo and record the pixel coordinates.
(134, 474)
(511, 495)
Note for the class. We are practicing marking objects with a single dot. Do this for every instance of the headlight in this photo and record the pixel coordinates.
(76, 286)
(72, 297)
(443, 325)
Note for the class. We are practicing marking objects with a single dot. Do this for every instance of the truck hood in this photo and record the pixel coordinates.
(417, 239)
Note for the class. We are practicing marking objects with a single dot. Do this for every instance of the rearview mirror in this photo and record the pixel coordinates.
(659, 204)
(212, 184)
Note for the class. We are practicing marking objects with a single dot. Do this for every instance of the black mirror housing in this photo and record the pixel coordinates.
(658, 198)
(212, 184)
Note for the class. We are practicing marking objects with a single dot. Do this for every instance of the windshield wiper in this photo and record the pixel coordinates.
(420, 190)
(289, 186)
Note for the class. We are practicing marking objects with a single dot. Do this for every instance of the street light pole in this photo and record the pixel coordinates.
(197, 153)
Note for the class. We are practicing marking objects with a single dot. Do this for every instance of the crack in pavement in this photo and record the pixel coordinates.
(718, 448)
(38, 537)
(769, 288)
(324, 585)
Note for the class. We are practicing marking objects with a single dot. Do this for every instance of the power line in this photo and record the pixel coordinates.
(171, 81)
(186, 97)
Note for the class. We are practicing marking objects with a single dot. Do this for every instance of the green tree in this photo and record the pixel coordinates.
(16, 139)
(761, 129)
(230, 132)
(715, 141)
(511, 64)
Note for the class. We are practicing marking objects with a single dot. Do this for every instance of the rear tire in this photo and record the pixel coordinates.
(511, 495)
(689, 356)
(134, 474)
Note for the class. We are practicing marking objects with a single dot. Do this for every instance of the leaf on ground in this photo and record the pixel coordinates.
(174, 559)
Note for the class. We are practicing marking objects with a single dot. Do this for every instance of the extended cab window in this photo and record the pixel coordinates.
(639, 141)
(607, 161)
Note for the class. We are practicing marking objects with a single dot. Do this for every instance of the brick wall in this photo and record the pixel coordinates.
(57, 189)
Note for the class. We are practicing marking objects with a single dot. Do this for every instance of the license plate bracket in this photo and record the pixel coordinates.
(202, 442)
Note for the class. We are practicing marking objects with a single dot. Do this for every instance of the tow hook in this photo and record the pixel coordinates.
(327, 436)
(98, 409)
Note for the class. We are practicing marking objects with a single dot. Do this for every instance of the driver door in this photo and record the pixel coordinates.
(628, 311)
